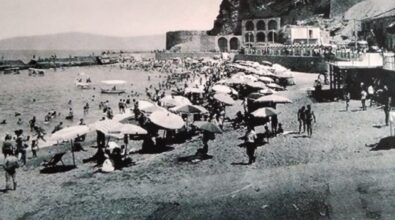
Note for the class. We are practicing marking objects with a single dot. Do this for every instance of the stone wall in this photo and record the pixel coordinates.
(302, 64)
(190, 41)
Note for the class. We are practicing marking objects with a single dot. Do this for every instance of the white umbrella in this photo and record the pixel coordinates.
(224, 98)
(144, 104)
(132, 129)
(275, 86)
(265, 79)
(274, 99)
(171, 101)
(69, 133)
(264, 112)
(222, 89)
(194, 90)
(114, 82)
(167, 120)
(208, 126)
(189, 109)
(108, 127)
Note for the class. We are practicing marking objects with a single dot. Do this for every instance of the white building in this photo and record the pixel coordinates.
(305, 35)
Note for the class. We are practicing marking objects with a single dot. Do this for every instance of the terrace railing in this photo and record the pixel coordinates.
(389, 61)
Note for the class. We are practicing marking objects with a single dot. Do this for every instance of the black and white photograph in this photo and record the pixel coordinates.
(197, 109)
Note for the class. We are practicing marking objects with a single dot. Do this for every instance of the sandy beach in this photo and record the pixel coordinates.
(332, 175)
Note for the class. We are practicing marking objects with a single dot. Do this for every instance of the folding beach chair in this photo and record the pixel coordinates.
(54, 160)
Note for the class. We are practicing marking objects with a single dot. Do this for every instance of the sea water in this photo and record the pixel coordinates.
(36, 96)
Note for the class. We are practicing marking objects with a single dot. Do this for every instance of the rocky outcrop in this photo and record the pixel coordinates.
(233, 11)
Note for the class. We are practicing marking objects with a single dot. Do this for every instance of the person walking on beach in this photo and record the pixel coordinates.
(10, 166)
(302, 119)
(364, 95)
(274, 123)
(310, 116)
(250, 139)
(387, 104)
(371, 95)
(32, 123)
(347, 98)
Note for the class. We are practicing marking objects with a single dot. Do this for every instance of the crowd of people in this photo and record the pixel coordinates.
(192, 79)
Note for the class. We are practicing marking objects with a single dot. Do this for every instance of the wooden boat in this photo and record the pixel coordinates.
(112, 91)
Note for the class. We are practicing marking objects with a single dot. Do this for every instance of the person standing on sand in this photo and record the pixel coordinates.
(7, 145)
(310, 116)
(364, 95)
(10, 166)
(302, 119)
(250, 139)
(347, 98)
(371, 95)
(387, 104)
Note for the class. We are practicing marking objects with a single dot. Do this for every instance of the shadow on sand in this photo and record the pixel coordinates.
(154, 150)
(57, 169)
(386, 143)
(195, 158)
(240, 164)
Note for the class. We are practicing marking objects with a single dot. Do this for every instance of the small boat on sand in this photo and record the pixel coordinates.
(112, 91)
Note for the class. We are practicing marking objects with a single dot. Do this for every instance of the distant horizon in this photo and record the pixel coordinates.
(87, 33)
(117, 18)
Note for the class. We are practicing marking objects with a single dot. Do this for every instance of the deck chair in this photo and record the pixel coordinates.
(54, 160)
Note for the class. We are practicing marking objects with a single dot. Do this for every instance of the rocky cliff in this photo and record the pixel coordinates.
(233, 11)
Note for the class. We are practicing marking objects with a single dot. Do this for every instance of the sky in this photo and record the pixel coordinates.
(107, 17)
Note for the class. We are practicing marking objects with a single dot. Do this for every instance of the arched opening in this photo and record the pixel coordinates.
(272, 37)
(272, 25)
(249, 37)
(261, 37)
(223, 44)
(250, 26)
(261, 25)
(234, 43)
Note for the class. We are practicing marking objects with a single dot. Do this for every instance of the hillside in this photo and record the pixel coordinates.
(83, 41)
(333, 15)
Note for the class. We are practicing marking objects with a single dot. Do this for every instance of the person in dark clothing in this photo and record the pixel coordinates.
(387, 104)
(302, 119)
(250, 142)
(274, 124)
(310, 116)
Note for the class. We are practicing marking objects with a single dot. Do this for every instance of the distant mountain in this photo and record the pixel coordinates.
(83, 41)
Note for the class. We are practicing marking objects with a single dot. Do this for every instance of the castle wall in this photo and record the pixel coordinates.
(190, 41)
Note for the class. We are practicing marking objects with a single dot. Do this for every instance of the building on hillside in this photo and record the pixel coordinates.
(259, 32)
(295, 34)
(380, 30)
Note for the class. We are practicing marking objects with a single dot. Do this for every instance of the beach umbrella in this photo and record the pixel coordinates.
(267, 91)
(257, 85)
(70, 133)
(144, 104)
(265, 79)
(224, 98)
(108, 126)
(152, 109)
(167, 120)
(132, 129)
(222, 89)
(264, 112)
(121, 117)
(255, 95)
(194, 90)
(274, 99)
(189, 109)
(114, 82)
(208, 126)
(172, 101)
(275, 86)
